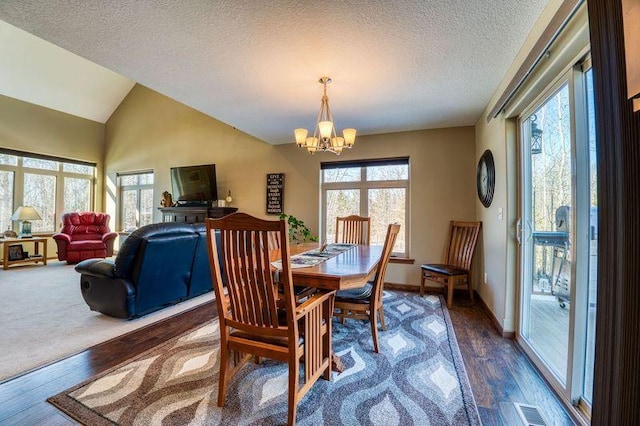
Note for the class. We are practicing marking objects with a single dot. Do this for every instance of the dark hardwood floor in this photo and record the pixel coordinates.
(499, 372)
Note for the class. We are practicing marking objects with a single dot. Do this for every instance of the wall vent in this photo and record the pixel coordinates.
(530, 415)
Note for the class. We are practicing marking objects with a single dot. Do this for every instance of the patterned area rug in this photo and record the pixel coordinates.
(418, 378)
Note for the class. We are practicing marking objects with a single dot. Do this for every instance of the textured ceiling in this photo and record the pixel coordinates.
(36, 71)
(396, 65)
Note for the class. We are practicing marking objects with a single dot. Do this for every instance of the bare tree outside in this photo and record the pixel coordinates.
(77, 194)
(40, 192)
(36, 163)
(551, 169)
(129, 201)
(6, 199)
(340, 203)
(387, 206)
(136, 200)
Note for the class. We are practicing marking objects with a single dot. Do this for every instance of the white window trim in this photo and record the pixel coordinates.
(138, 188)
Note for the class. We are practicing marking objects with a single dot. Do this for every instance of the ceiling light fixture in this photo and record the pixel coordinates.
(324, 136)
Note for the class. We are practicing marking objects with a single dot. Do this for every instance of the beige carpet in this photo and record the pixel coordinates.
(43, 317)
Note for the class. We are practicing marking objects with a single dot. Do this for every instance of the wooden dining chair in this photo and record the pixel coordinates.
(455, 270)
(300, 292)
(254, 321)
(273, 240)
(366, 302)
(353, 230)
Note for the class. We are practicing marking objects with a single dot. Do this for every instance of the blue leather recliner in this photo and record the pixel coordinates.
(157, 266)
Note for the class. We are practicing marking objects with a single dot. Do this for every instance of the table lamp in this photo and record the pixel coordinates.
(25, 214)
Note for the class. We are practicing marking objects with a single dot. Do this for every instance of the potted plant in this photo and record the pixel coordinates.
(298, 231)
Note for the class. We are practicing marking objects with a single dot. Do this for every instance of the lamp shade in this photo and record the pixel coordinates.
(25, 213)
(301, 136)
(325, 127)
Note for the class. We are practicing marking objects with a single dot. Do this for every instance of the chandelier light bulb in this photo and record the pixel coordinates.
(325, 128)
(301, 136)
(349, 137)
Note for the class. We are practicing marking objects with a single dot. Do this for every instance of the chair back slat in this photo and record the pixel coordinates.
(274, 240)
(389, 242)
(252, 295)
(462, 242)
(353, 230)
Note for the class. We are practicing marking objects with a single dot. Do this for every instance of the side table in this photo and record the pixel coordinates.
(35, 256)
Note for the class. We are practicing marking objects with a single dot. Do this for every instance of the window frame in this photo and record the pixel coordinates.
(19, 170)
(138, 188)
(364, 185)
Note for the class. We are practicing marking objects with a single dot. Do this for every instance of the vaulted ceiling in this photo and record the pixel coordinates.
(396, 65)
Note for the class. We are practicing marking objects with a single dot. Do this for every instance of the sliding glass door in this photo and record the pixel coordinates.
(558, 234)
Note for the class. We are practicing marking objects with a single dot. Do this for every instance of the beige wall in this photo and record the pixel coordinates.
(442, 164)
(499, 250)
(151, 131)
(31, 128)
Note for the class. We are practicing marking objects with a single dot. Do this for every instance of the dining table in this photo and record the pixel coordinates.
(351, 268)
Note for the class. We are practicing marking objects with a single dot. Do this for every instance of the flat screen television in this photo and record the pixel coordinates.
(194, 185)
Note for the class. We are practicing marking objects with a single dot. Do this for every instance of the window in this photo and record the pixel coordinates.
(51, 185)
(135, 198)
(375, 188)
(558, 255)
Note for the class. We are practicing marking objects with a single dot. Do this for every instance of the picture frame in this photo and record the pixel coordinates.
(15, 252)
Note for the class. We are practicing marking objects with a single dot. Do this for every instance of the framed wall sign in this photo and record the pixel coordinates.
(275, 193)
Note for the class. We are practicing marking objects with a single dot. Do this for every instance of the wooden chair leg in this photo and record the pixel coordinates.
(327, 349)
(422, 284)
(384, 326)
(450, 284)
(294, 369)
(469, 284)
(222, 378)
(374, 330)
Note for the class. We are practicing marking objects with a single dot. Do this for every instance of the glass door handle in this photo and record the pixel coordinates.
(519, 231)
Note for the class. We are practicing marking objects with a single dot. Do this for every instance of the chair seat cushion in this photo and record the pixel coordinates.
(444, 269)
(355, 295)
(86, 245)
(273, 340)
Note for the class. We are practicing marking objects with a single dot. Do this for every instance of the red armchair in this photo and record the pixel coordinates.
(84, 235)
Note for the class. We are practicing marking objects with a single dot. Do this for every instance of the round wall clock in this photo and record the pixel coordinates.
(486, 178)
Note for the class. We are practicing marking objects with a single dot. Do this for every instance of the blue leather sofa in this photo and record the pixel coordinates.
(157, 266)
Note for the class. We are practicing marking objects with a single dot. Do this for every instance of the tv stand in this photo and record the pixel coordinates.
(194, 214)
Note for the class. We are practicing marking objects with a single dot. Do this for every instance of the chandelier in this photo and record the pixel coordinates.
(324, 136)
